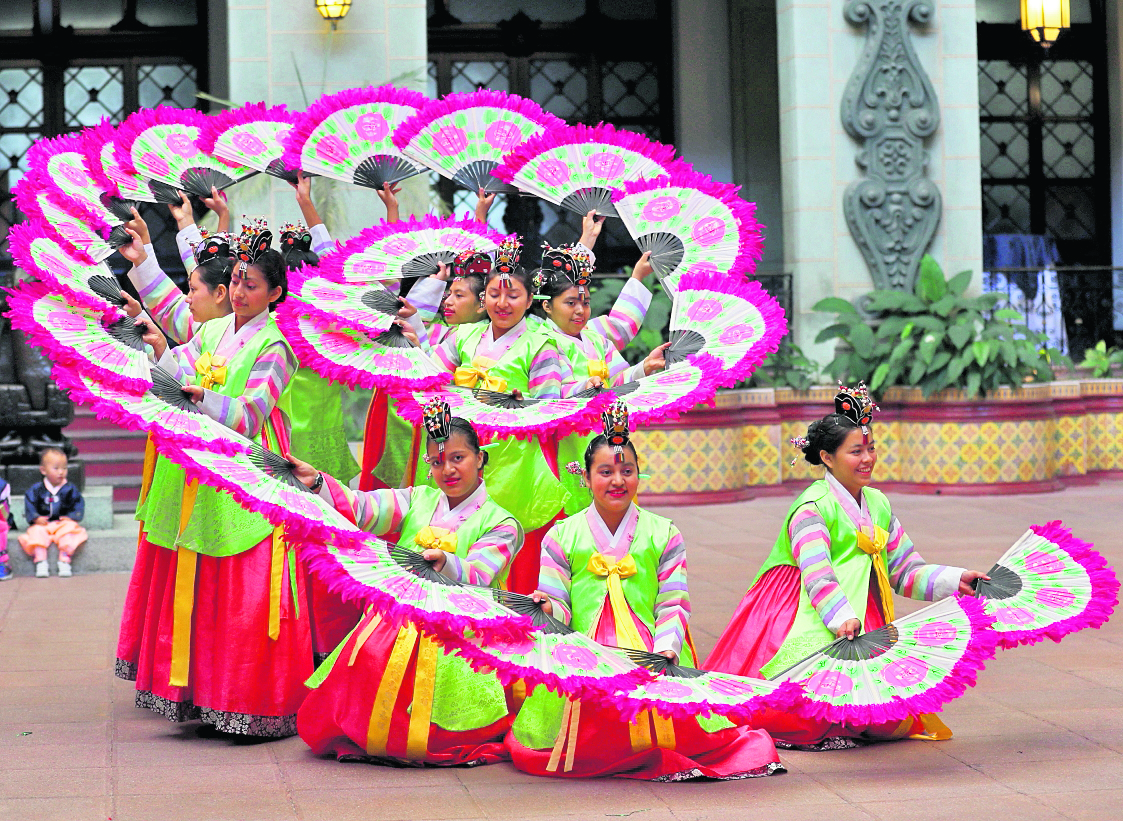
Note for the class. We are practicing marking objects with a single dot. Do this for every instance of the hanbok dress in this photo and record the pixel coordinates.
(215, 624)
(522, 474)
(626, 589)
(834, 560)
(389, 693)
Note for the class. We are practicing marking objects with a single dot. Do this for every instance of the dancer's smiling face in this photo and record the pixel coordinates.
(613, 484)
(569, 310)
(462, 303)
(853, 461)
(458, 473)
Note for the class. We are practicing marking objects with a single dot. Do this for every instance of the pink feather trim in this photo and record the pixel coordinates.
(20, 238)
(783, 698)
(297, 528)
(332, 263)
(322, 564)
(94, 140)
(1105, 590)
(351, 377)
(41, 151)
(980, 649)
(484, 98)
(20, 302)
(751, 234)
(603, 133)
(117, 414)
(775, 323)
(214, 126)
(486, 659)
(140, 121)
(307, 122)
(702, 394)
(585, 420)
(26, 193)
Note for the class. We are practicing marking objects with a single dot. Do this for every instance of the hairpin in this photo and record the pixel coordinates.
(507, 259)
(576, 469)
(436, 416)
(615, 421)
(799, 443)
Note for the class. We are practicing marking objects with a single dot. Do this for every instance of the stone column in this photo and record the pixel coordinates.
(284, 52)
(818, 50)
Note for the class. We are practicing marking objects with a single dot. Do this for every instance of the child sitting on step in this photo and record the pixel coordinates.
(54, 507)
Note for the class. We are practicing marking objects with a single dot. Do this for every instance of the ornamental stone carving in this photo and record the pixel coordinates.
(890, 107)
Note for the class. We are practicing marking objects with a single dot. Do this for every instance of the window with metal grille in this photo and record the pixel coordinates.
(1043, 138)
(61, 70)
(600, 60)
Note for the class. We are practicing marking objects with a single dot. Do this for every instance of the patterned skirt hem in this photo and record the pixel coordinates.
(835, 743)
(125, 670)
(691, 774)
(221, 720)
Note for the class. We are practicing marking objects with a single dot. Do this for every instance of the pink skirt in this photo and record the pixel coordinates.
(239, 680)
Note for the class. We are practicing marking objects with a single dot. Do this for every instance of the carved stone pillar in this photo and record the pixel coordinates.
(889, 105)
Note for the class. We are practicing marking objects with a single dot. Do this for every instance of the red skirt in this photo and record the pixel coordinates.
(753, 637)
(331, 617)
(239, 679)
(604, 748)
(335, 718)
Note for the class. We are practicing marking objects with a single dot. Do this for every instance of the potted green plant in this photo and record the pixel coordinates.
(934, 338)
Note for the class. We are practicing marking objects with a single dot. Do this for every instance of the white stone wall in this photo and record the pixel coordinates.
(282, 51)
(818, 50)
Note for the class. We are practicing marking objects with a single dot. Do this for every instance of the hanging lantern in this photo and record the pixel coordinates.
(336, 10)
(1045, 19)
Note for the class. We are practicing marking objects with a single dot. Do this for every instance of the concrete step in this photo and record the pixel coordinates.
(106, 465)
(112, 550)
(108, 445)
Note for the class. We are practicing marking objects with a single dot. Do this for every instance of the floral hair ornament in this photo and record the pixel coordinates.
(469, 262)
(856, 405)
(212, 246)
(799, 443)
(573, 263)
(254, 240)
(436, 416)
(615, 421)
(507, 259)
(295, 236)
(576, 469)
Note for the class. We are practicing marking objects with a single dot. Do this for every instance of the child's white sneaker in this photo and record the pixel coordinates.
(42, 569)
(64, 570)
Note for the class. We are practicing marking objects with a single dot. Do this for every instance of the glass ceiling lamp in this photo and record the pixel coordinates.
(1045, 19)
(336, 10)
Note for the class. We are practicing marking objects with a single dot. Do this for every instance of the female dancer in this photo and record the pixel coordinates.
(509, 354)
(216, 638)
(590, 347)
(832, 573)
(618, 574)
(438, 711)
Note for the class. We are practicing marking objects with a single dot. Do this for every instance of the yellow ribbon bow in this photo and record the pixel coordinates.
(477, 375)
(212, 369)
(874, 549)
(436, 538)
(598, 367)
(605, 567)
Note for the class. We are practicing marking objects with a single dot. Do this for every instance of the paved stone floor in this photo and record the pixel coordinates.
(1040, 737)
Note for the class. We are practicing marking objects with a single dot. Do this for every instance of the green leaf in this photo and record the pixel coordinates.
(879, 376)
(960, 335)
(919, 366)
(945, 305)
(901, 350)
(834, 304)
(939, 361)
(958, 283)
(861, 339)
(957, 366)
(973, 380)
(927, 347)
(901, 301)
(1009, 314)
(930, 283)
(893, 326)
(833, 331)
(981, 351)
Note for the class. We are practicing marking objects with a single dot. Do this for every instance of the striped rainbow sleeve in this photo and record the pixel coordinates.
(911, 576)
(268, 377)
(626, 317)
(376, 511)
(811, 549)
(672, 602)
(447, 353)
(164, 301)
(554, 576)
(547, 374)
(180, 361)
(321, 240)
(185, 240)
(426, 296)
(486, 558)
(619, 371)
